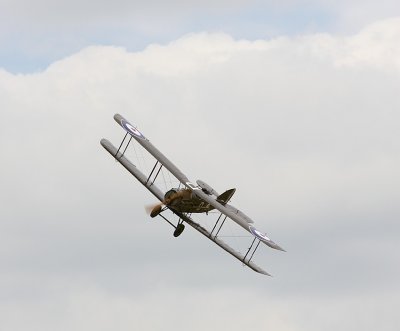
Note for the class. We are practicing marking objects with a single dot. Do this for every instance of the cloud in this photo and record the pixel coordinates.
(305, 128)
(35, 34)
(41, 14)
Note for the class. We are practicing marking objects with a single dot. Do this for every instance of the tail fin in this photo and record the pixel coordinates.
(224, 198)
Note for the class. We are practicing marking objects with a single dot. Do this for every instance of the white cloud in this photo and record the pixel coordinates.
(375, 46)
(306, 129)
(34, 34)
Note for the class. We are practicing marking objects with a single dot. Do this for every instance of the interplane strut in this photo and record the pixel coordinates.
(202, 199)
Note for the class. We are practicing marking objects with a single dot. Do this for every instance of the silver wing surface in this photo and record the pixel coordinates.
(230, 212)
(159, 195)
(236, 218)
(224, 209)
(142, 140)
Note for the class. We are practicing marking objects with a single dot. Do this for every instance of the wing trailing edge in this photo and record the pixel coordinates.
(237, 218)
(140, 138)
(128, 165)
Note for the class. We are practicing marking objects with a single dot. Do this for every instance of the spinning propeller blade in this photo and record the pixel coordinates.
(155, 209)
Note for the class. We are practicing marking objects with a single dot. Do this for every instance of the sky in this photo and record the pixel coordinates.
(293, 103)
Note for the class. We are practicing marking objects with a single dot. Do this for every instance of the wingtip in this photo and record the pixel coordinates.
(279, 248)
(263, 272)
(104, 142)
(118, 118)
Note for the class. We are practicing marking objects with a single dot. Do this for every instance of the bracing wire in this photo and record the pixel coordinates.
(165, 182)
(137, 157)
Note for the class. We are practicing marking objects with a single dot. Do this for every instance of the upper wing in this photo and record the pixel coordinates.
(235, 217)
(142, 140)
(158, 194)
(229, 212)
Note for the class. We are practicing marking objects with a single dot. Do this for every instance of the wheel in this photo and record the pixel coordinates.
(179, 229)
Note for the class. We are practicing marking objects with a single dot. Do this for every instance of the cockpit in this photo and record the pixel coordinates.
(171, 192)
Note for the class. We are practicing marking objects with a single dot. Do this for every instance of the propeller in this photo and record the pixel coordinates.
(155, 209)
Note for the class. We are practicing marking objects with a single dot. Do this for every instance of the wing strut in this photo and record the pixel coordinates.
(122, 142)
(220, 227)
(155, 177)
(254, 251)
(167, 220)
(248, 251)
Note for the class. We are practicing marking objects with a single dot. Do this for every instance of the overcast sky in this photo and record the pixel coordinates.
(296, 104)
(33, 34)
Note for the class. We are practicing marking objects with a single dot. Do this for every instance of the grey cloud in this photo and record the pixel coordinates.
(317, 136)
(68, 12)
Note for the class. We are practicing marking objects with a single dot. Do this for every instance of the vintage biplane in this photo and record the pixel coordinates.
(188, 198)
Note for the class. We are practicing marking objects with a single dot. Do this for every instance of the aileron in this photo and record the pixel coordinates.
(189, 198)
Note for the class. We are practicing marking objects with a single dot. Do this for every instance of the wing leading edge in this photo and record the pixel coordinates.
(141, 139)
(159, 195)
(225, 209)
(250, 228)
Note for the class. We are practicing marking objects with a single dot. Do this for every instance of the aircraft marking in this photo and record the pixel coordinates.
(131, 129)
(258, 234)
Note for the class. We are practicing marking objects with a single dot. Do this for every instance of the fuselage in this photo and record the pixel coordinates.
(184, 201)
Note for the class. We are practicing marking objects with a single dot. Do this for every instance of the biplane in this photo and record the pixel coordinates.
(188, 199)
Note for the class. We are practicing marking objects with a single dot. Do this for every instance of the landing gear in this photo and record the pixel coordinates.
(179, 229)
